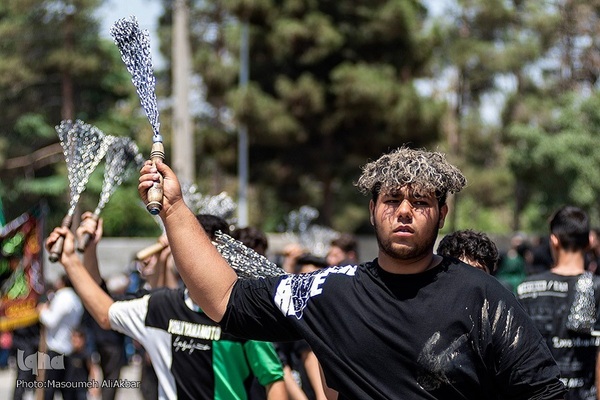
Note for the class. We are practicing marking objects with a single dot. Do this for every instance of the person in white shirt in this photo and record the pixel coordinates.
(59, 317)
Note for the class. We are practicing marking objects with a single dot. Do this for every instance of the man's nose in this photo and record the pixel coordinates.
(404, 210)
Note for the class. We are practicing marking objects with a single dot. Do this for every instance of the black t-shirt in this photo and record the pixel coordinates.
(192, 357)
(452, 332)
(548, 299)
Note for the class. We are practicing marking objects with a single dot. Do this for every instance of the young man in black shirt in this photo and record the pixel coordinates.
(563, 302)
(409, 324)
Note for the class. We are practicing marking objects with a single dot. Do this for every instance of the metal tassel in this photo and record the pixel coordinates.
(246, 262)
(582, 316)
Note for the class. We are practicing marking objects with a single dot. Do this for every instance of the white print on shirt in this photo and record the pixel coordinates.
(200, 331)
(534, 289)
(561, 343)
(436, 365)
(189, 346)
(294, 290)
(572, 383)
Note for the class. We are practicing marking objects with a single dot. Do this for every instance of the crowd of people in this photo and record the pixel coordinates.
(460, 321)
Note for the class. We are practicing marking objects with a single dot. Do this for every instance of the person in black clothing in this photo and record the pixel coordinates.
(26, 341)
(541, 257)
(563, 302)
(78, 368)
(592, 260)
(409, 323)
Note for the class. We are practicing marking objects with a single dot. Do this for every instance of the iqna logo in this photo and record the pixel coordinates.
(39, 360)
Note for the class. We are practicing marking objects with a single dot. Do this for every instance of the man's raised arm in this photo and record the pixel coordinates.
(94, 299)
(206, 274)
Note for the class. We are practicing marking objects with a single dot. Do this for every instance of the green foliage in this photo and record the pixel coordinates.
(555, 156)
(472, 214)
(52, 60)
(126, 216)
(32, 126)
(330, 86)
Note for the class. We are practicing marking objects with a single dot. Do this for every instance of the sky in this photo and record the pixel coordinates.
(145, 11)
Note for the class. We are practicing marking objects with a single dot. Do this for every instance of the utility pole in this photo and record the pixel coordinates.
(184, 163)
(243, 135)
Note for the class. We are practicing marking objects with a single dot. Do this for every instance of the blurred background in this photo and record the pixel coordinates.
(279, 103)
(268, 109)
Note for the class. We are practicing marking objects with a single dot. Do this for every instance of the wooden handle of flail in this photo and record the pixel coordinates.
(57, 248)
(155, 193)
(150, 250)
(84, 240)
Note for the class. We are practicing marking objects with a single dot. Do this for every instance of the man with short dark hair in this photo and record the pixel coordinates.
(343, 250)
(409, 324)
(563, 302)
(471, 247)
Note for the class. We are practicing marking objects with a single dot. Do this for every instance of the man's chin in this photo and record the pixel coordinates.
(400, 252)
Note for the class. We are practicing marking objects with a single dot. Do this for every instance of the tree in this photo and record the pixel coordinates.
(557, 157)
(53, 66)
(550, 113)
(331, 85)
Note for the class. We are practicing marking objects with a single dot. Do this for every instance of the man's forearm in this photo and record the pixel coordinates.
(94, 299)
(90, 261)
(598, 374)
(206, 274)
(276, 391)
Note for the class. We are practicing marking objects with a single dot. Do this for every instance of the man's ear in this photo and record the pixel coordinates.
(371, 211)
(442, 218)
(554, 240)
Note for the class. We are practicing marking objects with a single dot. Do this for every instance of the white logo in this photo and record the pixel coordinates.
(39, 360)
(294, 291)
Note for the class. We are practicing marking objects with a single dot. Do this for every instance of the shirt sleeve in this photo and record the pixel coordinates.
(264, 362)
(251, 308)
(128, 317)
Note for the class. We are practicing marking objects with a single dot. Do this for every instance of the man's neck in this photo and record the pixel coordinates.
(569, 263)
(410, 266)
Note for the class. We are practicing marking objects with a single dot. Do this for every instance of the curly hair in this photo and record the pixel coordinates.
(470, 245)
(425, 171)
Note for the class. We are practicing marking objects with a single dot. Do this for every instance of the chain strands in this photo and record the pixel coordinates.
(582, 315)
(83, 146)
(300, 220)
(134, 45)
(247, 263)
(122, 158)
(315, 238)
(220, 205)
